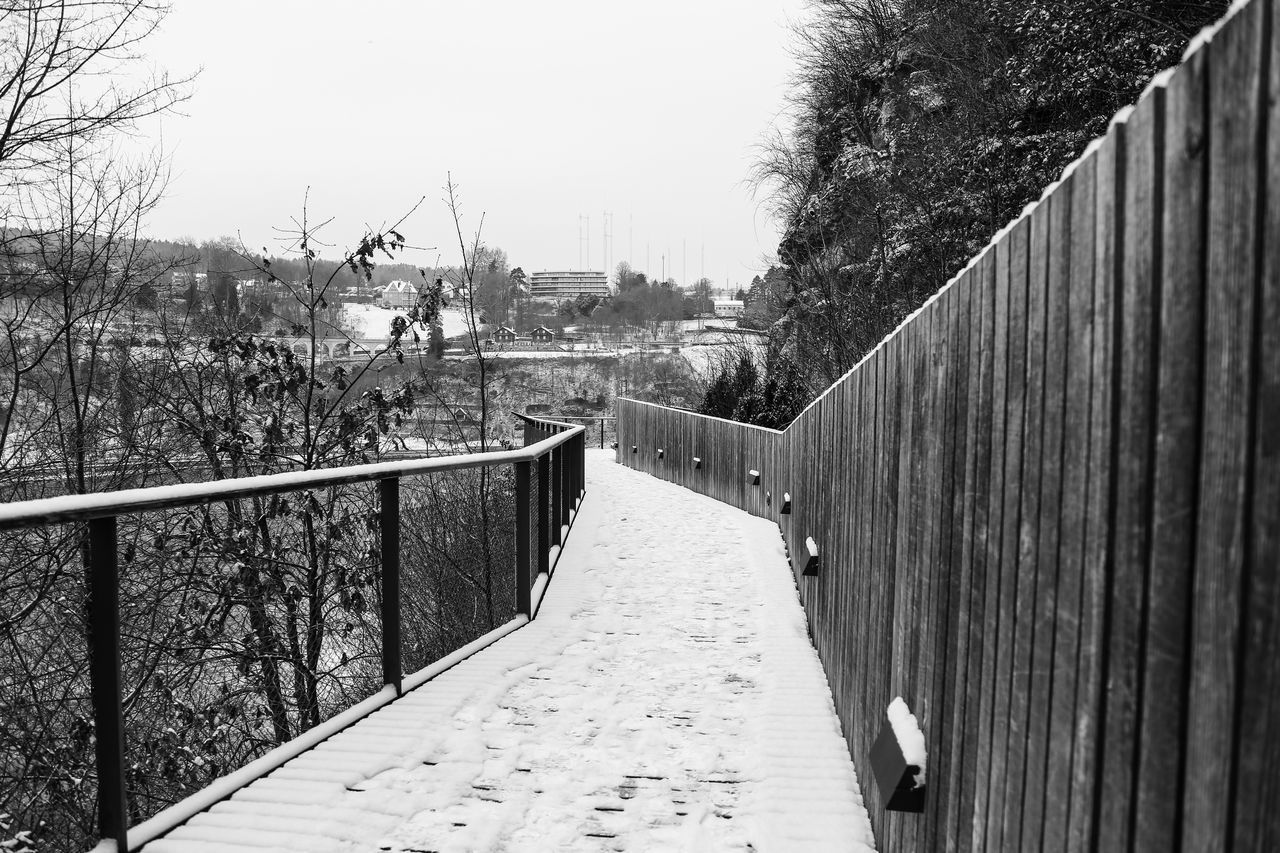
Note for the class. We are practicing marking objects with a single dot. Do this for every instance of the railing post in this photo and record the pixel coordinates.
(580, 463)
(524, 582)
(104, 677)
(571, 478)
(565, 461)
(544, 514)
(389, 544)
(557, 492)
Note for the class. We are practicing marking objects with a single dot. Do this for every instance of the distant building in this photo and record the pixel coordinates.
(249, 287)
(728, 307)
(399, 294)
(358, 295)
(542, 335)
(568, 285)
(504, 335)
(184, 279)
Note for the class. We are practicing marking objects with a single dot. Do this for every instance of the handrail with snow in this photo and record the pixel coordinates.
(586, 419)
(559, 455)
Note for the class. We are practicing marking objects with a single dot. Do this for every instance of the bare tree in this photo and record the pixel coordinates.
(61, 64)
(72, 264)
(465, 286)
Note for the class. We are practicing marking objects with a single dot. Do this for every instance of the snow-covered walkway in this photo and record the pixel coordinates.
(665, 698)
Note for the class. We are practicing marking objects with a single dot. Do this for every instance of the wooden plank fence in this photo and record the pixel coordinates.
(1047, 508)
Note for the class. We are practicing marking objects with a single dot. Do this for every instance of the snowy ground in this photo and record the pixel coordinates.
(373, 321)
(665, 698)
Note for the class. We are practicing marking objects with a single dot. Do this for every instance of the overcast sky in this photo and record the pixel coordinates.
(543, 112)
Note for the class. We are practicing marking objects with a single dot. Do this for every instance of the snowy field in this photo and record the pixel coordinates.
(372, 321)
(665, 698)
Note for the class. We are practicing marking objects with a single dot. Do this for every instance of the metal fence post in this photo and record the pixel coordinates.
(557, 493)
(579, 468)
(104, 676)
(389, 544)
(560, 477)
(570, 477)
(544, 516)
(575, 450)
(524, 582)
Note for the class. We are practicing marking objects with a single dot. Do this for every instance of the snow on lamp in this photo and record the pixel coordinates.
(898, 760)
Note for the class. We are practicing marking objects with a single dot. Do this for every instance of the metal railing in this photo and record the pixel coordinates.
(605, 422)
(558, 456)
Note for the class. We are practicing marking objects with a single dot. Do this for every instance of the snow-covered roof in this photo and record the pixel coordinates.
(399, 286)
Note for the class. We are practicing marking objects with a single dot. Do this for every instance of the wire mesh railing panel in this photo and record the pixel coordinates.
(457, 540)
(48, 784)
(244, 623)
(536, 519)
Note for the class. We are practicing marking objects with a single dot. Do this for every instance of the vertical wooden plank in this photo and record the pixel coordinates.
(1075, 452)
(863, 508)
(1035, 784)
(1099, 498)
(833, 523)
(1032, 235)
(933, 352)
(788, 448)
(886, 459)
(1141, 203)
(991, 622)
(978, 529)
(1257, 783)
(621, 425)
(804, 496)
(1003, 726)
(960, 807)
(845, 602)
(949, 361)
(1235, 66)
(948, 767)
(905, 625)
(876, 598)
(895, 401)
(1163, 710)
(820, 587)
(916, 661)
(905, 544)
(866, 377)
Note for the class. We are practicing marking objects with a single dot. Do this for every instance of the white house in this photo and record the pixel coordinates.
(399, 294)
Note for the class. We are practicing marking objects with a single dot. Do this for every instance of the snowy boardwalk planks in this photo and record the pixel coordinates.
(666, 697)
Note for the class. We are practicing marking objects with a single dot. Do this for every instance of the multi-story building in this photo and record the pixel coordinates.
(568, 285)
(728, 307)
(399, 294)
